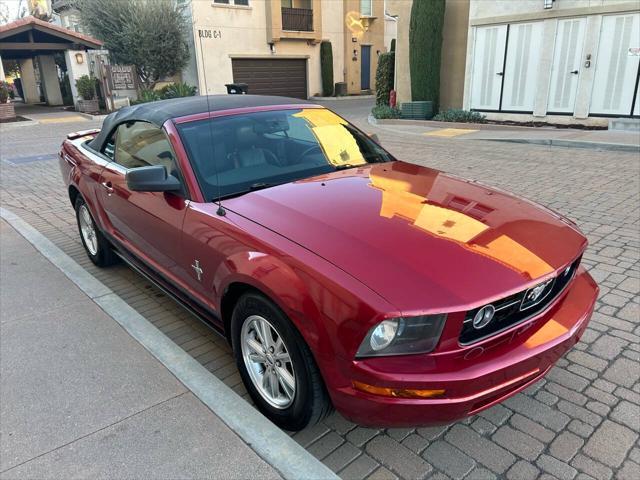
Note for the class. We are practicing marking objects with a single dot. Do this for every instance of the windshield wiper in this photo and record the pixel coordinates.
(261, 185)
(345, 166)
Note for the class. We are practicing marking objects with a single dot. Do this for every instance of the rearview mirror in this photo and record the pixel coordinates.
(151, 179)
(374, 137)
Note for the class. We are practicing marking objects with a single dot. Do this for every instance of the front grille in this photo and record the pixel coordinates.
(517, 308)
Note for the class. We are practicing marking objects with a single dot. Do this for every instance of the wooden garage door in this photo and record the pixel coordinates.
(269, 76)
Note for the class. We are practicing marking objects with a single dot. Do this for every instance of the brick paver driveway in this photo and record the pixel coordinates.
(582, 421)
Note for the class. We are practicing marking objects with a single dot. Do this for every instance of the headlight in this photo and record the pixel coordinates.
(403, 336)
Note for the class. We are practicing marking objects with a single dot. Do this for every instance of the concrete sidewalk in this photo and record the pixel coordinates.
(562, 137)
(79, 397)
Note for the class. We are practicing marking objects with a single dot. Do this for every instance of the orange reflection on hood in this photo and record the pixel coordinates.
(437, 219)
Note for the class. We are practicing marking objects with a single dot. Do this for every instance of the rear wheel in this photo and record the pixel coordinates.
(276, 364)
(95, 244)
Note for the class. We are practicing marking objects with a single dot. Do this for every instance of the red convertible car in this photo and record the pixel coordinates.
(342, 277)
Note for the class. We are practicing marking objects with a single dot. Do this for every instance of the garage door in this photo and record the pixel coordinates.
(269, 76)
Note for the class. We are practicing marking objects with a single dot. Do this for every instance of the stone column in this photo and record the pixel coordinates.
(2, 77)
(49, 80)
(28, 79)
(76, 69)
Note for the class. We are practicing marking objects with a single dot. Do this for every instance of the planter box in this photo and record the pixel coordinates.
(417, 110)
(88, 106)
(7, 111)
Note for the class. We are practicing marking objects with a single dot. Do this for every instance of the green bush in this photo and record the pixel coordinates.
(86, 87)
(425, 49)
(384, 77)
(462, 116)
(177, 90)
(385, 111)
(326, 68)
(147, 95)
(5, 92)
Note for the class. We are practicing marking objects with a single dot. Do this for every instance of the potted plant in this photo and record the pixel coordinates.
(86, 87)
(7, 111)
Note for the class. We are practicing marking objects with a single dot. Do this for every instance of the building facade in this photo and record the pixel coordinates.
(454, 51)
(557, 61)
(274, 45)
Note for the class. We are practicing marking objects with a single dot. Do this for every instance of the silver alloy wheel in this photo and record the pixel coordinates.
(268, 362)
(87, 229)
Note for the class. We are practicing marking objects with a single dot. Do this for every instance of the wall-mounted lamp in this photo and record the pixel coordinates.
(548, 4)
(378, 53)
(79, 58)
(355, 55)
(272, 48)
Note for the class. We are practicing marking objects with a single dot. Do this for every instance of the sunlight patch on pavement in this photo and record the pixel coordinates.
(449, 132)
(72, 118)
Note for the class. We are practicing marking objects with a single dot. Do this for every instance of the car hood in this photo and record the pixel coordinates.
(424, 240)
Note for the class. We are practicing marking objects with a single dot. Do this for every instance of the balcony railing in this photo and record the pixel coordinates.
(297, 19)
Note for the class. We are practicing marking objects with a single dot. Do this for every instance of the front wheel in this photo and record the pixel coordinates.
(276, 365)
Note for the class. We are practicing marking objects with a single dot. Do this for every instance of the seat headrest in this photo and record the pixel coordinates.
(246, 137)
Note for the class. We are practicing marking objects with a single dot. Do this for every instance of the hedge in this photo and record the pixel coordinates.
(326, 68)
(384, 77)
(425, 50)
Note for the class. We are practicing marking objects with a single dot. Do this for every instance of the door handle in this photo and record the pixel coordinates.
(575, 72)
(499, 73)
(108, 187)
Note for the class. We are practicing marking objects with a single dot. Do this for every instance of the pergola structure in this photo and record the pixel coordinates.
(30, 38)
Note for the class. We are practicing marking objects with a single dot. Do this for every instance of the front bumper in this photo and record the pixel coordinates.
(475, 377)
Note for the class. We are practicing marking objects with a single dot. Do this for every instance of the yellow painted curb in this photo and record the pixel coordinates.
(74, 118)
(449, 132)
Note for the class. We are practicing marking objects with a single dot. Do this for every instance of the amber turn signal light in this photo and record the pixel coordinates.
(397, 392)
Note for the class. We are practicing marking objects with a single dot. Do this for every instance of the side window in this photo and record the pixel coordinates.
(140, 144)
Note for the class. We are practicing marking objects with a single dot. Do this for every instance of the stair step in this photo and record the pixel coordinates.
(625, 124)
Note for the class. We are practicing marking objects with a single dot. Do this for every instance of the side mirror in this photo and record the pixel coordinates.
(374, 137)
(151, 179)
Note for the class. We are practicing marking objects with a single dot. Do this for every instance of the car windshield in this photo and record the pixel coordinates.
(235, 154)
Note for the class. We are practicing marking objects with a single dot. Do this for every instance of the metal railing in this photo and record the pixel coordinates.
(297, 19)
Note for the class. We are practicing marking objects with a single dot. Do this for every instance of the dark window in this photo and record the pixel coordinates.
(239, 153)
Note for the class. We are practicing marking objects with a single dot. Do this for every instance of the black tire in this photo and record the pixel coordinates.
(311, 402)
(103, 255)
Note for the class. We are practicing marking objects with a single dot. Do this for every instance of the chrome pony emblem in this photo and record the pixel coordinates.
(535, 294)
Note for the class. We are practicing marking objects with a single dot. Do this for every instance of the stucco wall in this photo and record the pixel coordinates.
(333, 31)
(454, 51)
(373, 36)
(493, 8)
(242, 32)
(402, 9)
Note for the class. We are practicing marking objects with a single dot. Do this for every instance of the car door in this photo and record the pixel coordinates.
(148, 224)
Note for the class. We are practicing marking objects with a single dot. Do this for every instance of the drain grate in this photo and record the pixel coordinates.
(32, 158)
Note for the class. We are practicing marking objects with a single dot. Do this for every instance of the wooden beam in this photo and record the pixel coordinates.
(35, 46)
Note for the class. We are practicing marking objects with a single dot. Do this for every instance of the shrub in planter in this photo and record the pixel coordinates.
(86, 87)
(326, 68)
(177, 90)
(7, 110)
(5, 88)
(461, 116)
(384, 77)
(385, 111)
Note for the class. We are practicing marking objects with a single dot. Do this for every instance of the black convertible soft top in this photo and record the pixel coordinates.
(163, 110)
